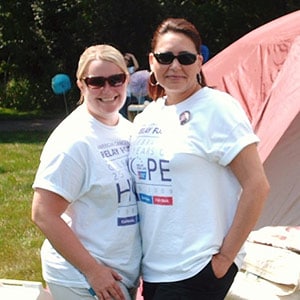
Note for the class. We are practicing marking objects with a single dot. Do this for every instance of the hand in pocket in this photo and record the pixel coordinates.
(220, 265)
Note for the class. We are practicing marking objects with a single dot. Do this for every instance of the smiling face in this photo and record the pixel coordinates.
(179, 81)
(104, 102)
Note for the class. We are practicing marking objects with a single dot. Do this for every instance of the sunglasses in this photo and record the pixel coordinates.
(97, 82)
(167, 58)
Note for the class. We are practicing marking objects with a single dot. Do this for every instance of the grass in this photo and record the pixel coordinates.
(12, 114)
(20, 240)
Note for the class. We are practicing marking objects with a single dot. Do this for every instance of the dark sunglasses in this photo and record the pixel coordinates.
(99, 81)
(167, 58)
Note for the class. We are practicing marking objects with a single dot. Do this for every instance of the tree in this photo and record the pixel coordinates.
(39, 39)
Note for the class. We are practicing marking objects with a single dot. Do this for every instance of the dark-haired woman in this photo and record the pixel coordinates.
(198, 176)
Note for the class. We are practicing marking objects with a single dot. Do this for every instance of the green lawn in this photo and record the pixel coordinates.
(12, 114)
(20, 240)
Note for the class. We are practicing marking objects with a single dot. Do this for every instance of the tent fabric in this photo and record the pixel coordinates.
(284, 237)
(262, 71)
(248, 286)
(256, 67)
(283, 171)
(268, 271)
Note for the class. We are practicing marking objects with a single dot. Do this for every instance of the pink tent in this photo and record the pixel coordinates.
(262, 71)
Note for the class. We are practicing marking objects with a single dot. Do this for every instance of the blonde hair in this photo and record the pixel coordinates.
(99, 52)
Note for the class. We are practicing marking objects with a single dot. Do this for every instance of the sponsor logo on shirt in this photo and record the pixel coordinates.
(156, 200)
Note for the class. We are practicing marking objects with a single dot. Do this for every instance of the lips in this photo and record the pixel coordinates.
(175, 77)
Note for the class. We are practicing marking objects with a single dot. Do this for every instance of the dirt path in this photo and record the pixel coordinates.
(29, 125)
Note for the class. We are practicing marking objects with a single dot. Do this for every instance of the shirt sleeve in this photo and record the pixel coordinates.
(233, 132)
(62, 175)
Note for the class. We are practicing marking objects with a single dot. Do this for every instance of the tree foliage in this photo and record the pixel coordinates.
(40, 38)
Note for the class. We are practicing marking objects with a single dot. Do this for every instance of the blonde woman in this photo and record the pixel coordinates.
(83, 200)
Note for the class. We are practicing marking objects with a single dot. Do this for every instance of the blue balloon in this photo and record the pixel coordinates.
(61, 84)
(205, 53)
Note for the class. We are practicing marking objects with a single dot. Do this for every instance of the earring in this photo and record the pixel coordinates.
(152, 79)
(199, 78)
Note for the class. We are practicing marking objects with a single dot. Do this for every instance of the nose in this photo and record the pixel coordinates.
(175, 63)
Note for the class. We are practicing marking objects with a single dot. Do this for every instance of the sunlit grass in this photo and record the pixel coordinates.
(20, 240)
(13, 114)
(10, 113)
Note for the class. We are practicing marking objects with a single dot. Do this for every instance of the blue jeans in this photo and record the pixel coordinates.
(203, 286)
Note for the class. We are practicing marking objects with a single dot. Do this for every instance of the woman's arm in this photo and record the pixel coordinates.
(47, 208)
(249, 171)
(135, 62)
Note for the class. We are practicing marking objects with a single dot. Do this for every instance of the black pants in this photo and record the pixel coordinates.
(203, 286)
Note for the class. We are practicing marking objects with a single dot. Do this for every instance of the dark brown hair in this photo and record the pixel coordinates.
(180, 26)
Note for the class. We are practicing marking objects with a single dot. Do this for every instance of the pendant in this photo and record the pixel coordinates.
(184, 117)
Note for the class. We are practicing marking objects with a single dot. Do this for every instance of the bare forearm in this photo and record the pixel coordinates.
(249, 209)
(46, 213)
(67, 244)
(255, 188)
(47, 208)
(247, 214)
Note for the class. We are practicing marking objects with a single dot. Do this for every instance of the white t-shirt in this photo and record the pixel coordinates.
(86, 162)
(188, 196)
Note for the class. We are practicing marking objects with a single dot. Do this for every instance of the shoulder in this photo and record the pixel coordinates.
(219, 97)
(151, 110)
(223, 104)
(71, 133)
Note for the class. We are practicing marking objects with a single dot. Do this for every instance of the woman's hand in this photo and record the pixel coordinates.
(47, 209)
(220, 265)
(104, 282)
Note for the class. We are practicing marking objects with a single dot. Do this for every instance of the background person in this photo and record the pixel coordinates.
(131, 62)
(132, 66)
(83, 200)
(198, 176)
